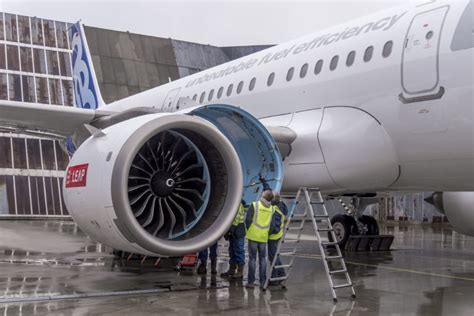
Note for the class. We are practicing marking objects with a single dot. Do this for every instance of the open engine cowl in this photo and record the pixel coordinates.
(169, 184)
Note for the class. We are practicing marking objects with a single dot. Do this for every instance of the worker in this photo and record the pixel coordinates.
(236, 238)
(276, 232)
(258, 221)
(203, 255)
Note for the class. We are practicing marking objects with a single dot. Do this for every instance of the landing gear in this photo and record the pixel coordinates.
(344, 226)
(370, 225)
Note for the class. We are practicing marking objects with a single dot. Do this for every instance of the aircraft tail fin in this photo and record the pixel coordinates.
(86, 87)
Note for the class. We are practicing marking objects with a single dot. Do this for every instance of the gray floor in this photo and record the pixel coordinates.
(50, 267)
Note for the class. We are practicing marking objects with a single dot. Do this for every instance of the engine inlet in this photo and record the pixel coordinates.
(168, 185)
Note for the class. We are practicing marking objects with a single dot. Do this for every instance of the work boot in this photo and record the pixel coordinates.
(240, 272)
(229, 272)
(214, 266)
(202, 268)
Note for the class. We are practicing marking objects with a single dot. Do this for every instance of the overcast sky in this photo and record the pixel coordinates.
(221, 23)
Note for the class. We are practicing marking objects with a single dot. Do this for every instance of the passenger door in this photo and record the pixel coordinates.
(170, 100)
(420, 61)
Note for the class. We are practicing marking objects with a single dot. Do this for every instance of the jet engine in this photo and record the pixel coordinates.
(169, 184)
(458, 207)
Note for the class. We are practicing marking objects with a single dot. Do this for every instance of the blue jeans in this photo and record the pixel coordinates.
(261, 249)
(237, 250)
(272, 248)
(212, 253)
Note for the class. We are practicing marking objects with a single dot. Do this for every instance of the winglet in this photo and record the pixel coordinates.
(86, 88)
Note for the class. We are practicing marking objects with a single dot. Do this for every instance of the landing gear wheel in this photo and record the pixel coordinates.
(371, 224)
(344, 226)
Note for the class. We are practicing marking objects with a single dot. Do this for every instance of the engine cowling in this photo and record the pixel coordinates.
(169, 183)
(458, 207)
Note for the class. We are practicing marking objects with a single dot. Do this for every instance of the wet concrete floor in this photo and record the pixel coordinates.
(49, 267)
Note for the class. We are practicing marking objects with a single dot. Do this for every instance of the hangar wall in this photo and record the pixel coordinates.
(35, 67)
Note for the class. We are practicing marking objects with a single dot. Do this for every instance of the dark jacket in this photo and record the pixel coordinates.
(277, 219)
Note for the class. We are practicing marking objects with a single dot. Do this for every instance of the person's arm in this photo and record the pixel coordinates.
(283, 208)
(265, 184)
(249, 216)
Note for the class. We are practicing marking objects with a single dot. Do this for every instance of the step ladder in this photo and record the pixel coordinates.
(318, 219)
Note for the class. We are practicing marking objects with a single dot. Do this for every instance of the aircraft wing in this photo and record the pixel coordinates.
(34, 117)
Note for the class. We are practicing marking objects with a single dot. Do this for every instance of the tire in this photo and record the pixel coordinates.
(344, 226)
(371, 224)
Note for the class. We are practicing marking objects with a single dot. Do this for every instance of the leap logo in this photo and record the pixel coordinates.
(77, 176)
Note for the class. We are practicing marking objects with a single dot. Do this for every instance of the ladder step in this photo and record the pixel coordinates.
(321, 216)
(291, 253)
(342, 286)
(279, 278)
(299, 215)
(329, 243)
(326, 229)
(289, 241)
(285, 266)
(338, 271)
(295, 228)
(317, 202)
(333, 257)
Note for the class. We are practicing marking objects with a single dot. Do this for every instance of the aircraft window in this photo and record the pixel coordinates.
(240, 87)
(220, 92)
(211, 95)
(387, 49)
(195, 97)
(368, 53)
(290, 74)
(201, 99)
(229, 90)
(252, 84)
(271, 78)
(303, 71)
(334, 62)
(318, 67)
(350, 58)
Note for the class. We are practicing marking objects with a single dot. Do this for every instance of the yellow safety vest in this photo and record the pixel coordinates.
(240, 216)
(260, 227)
(280, 232)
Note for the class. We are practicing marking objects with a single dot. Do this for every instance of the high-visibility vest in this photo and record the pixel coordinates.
(282, 224)
(240, 216)
(260, 227)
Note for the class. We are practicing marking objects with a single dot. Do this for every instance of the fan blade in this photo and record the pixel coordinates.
(160, 218)
(188, 202)
(141, 169)
(143, 207)
(131, 189)
(152, 154)
(146, 162)
(135, 200)
(192, 191)
(181, 211)
(173, 218)
(151, 215)
(195, 166)
(192, 180)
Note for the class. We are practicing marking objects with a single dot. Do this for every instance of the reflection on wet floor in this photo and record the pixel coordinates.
(50, 267)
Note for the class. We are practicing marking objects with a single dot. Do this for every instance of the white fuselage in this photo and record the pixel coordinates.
(415, 105)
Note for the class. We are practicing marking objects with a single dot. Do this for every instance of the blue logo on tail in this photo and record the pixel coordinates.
(85, 91)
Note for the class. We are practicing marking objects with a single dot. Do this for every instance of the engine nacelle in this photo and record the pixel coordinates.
(169, 184)
(458, 207)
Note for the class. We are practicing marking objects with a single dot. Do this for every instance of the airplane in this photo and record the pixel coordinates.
(383, 103)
